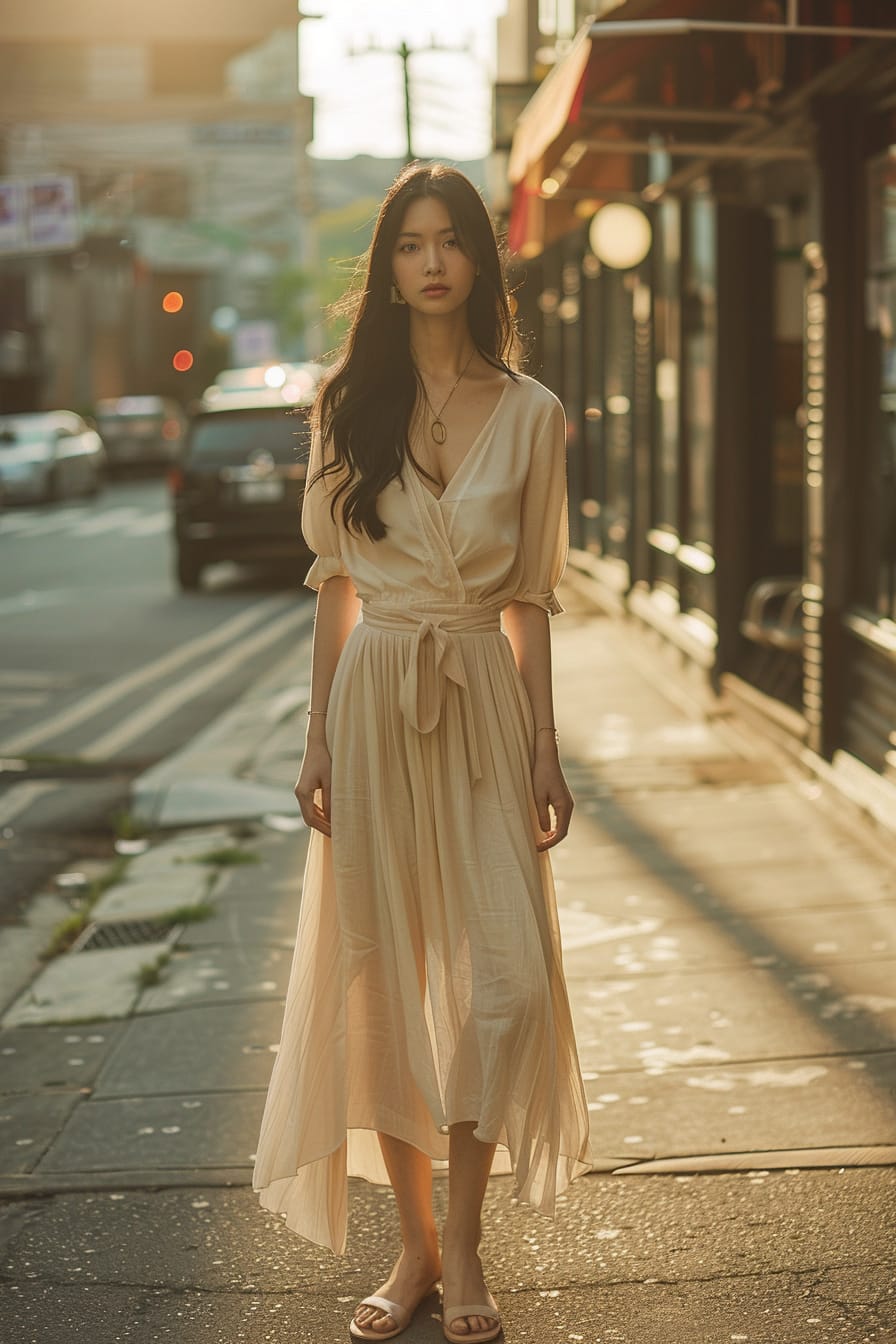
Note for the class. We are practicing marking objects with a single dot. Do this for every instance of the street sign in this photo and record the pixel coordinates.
(39, 214)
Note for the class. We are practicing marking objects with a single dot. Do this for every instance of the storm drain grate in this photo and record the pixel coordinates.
(124, 933)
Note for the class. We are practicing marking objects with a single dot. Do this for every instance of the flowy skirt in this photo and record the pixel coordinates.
(427, 984)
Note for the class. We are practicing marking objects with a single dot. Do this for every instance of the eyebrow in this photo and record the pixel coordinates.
(406, 234)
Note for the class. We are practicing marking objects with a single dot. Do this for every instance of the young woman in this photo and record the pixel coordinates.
(427, 1020)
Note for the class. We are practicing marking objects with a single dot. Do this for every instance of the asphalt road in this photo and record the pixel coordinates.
(107, 667)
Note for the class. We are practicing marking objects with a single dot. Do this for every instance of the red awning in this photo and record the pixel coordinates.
(553, 106)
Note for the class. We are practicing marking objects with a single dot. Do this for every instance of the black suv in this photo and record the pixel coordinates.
(237, 489)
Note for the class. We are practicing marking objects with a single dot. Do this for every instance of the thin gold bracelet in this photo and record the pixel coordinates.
(317, 711)
(550, 730)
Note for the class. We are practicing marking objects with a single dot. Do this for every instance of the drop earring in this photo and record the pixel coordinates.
(395, 295)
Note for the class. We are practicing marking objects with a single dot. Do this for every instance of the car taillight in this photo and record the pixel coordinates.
(175, 480)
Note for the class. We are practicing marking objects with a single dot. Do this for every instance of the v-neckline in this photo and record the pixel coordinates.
(438, 499)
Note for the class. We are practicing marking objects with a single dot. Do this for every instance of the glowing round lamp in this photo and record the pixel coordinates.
(183, 361)
(620, 235)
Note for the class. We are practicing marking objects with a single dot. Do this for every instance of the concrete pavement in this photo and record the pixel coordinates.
(730, 948)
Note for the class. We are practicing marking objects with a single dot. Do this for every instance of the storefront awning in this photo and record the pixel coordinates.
(552, 107)
(625, 91)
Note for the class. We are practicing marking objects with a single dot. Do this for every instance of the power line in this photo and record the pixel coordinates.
(404, 54)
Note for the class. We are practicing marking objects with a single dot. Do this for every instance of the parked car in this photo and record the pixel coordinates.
(140, 429)
(45, 455)
(237, 491)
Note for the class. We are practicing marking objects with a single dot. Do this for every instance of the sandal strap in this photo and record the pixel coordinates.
(400, 1315)
(450, 1314)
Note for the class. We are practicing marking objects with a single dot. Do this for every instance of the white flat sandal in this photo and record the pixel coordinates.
(402, 1317)
(472, 1309)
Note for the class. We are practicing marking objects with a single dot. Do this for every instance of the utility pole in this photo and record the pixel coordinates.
(404, 54)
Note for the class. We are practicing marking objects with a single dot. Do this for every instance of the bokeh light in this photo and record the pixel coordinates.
(620, 235)
(173, 301)
(183, 361)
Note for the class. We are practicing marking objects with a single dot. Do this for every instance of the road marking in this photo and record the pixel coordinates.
(151, 524)
(104, 696)
(31, 599)
(21, 796)
(72, 523)
(166, 702)
(12, 701)
(106, 522)
(17, 521)
(44, 524)
(29, 676)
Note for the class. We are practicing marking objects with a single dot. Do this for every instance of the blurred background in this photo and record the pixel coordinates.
(699, 204)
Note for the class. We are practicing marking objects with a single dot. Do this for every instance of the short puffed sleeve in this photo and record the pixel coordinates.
(319, 528)
(544, 521)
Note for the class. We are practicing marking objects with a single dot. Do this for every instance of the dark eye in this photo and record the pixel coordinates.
(407, 247)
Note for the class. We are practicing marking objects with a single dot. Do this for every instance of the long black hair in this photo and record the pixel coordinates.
(364, 407)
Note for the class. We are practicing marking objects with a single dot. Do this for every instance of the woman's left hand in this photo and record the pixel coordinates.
(551, 794)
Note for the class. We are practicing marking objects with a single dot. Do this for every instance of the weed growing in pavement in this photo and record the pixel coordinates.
(150, 973)
(127, 827)
(38, 760)
(67, 930)
(187, 914)
(226, 857)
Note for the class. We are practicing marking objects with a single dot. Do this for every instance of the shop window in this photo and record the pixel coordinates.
(699, 322)
(881, 497)
(619, 394)
(667, 396)
(786, 511)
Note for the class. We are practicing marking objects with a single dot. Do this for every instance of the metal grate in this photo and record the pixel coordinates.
(125, 933)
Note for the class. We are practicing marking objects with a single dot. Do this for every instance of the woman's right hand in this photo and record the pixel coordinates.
(314, 780)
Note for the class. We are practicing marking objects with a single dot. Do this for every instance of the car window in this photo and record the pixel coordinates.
(232, 436)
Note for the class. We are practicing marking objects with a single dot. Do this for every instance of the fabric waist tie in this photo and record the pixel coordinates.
(435, 660)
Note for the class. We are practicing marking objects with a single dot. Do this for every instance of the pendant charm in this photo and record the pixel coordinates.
(438, 431)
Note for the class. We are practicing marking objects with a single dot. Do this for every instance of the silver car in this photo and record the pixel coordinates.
(45, 455)
(140, 429)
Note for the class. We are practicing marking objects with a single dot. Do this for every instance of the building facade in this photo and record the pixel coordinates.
(184, 135)
(729, 385)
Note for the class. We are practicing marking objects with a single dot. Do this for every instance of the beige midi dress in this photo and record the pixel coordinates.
(427, 984)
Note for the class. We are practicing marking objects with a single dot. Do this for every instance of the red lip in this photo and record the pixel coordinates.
(436, 289)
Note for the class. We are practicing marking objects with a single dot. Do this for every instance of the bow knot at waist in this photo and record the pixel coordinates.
(435, 660)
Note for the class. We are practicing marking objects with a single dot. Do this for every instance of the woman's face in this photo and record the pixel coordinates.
(430, 271)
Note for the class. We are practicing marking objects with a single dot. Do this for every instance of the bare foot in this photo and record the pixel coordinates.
(414, 1274)
(464, 1281)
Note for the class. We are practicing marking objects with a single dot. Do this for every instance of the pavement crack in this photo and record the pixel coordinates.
(724, 1276)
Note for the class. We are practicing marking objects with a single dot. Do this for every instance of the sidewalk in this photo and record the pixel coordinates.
(730, 948)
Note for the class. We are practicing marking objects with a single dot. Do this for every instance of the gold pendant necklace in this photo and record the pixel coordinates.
(437, 428)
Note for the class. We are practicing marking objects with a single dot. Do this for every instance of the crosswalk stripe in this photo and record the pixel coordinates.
(20, 522)
(42, 525)
(151, 524)
(136, 725)
(31, 600)
(106, 522)
(112, 691)
(21, 796)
